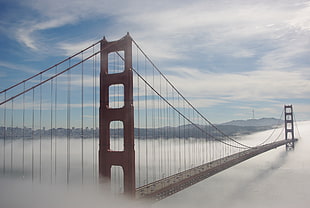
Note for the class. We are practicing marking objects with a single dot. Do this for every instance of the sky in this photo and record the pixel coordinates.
(237, 56)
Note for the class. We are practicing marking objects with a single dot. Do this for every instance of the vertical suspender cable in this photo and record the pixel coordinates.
(184, 138)
(201, 145)
(23, 150)
(32, 138)
(168, 132)
(295, 124)
(151, 124)
(139, 136)
(199, 155)
(146, 123)
(213, 146)
(153, 130)
(162, 112)
(51, 140)
(55, 126)
(93, 116)
(162, 159)
(159, 137)
(196, 136)
(193, 139)
(189, 139)
(208, 143)
(40, 139)
(166, 150)
(198, 145)
(175, 124)
(179, 137)
(12, 134)
(194, 152)
(205, 140)
(193, 131)
(82, 119)
(68, 122)
(167, 135)
(173, 136)
(4, 136)
(96, 121)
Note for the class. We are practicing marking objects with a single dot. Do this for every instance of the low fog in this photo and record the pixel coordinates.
(277, 178)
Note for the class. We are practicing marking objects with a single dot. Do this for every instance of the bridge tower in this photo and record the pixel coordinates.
(289, 126)
(125, 114)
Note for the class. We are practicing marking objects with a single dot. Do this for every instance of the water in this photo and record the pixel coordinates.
(277, 178)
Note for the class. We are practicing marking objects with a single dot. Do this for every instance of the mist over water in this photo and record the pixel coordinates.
(277, 178)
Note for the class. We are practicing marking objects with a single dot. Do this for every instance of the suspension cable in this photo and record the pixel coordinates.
(82, 119)
(272, 131)
(23, 151)
(40, 139)
(55, 126)
(45, 70)
(54, 76)
(159, 94)
(68, 122)
(5, 132)
(279, 135)
(51, 140)
(244, 146)
(295, 122)
(186, 99)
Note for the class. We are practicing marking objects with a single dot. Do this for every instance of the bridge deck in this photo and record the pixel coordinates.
(165, 187)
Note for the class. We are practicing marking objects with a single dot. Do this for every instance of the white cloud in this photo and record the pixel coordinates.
(286, 55)
(247, 86)
(72, 48)
(273, 34)
(301, 111)
(17, 67)
(301, 19)
(243, 53)
(171, 29)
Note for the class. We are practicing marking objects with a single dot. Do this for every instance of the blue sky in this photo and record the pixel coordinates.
(236, 55)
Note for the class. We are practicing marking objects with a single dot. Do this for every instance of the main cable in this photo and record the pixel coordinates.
(295, 122)
(244, 146)
(186, 99)
(149, 85)
(272, 131)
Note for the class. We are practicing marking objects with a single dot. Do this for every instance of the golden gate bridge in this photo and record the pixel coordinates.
(108, 115)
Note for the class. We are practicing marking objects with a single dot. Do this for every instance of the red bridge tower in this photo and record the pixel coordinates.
(124, 114)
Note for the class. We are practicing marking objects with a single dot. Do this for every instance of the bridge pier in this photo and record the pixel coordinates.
(124, 114)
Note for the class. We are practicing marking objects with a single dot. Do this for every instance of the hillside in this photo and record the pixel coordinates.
(255, 122)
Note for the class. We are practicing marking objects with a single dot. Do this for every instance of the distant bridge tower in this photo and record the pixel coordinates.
(124, 158)
(289, 126)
